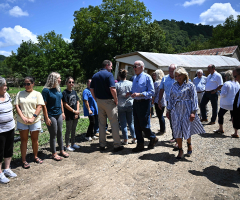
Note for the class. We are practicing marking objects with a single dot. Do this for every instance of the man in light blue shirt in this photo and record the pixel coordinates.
(200, 83)
(165, 86)
(142, 91)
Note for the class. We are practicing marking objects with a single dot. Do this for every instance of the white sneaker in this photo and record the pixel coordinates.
(94, 137)
(70, 149)
(124, 143)
(134, 141)
(75, 146)
(88, 138)
(9, 173)
(3, 178)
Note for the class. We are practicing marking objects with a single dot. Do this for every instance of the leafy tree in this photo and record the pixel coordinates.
(113, 28)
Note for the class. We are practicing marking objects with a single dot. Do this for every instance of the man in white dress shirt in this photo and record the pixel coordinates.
(213, 84)
(200, 83)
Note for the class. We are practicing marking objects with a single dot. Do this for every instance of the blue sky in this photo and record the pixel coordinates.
(25, 19)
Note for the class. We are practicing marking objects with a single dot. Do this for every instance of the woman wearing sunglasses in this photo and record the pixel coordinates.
(71, 110)
(28, 104)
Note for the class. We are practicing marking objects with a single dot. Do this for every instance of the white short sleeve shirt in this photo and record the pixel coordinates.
(213, 81)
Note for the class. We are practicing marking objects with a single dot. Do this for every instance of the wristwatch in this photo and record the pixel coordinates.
(34, 115)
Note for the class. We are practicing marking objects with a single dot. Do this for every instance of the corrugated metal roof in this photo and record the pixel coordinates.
(192, 61)
(217, 51)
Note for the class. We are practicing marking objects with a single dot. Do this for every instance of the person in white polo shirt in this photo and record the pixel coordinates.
(213, 84)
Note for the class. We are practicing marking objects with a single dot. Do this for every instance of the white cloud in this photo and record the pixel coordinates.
(67, 40)
(5, 53)
(218, 13)
(4, 5)
(17, 12)
(14, 36)
(193, 2)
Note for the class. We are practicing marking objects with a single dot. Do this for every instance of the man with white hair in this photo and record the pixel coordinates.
(200, 83)
(142, 92)
(165, 86)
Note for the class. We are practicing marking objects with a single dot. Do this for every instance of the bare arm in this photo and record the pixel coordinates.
(114, 94)
(76, 112)
(21, 114)
(88, 107)
(63, 115)
(45, 113)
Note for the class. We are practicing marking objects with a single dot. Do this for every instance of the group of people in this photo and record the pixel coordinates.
(122, 103)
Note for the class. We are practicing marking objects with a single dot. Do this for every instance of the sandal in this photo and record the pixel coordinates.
(64, 154)
(218, 131)
(189, 152)
(235, 136)
(56, 157)
(25, 165)
(180, 157)
(38, 160)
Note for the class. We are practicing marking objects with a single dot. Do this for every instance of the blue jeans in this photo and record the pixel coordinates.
(160, 117)
(125, 116)
(214, 101)
(141, 113)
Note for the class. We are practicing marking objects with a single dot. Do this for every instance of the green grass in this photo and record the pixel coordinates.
(44, 137)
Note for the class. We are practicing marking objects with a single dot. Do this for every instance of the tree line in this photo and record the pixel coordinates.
(113, 28)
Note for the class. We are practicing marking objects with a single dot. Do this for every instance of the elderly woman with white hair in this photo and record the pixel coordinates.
(228, 93)
(7, 125)
(54, 113)
(158, 78)
(182, 107)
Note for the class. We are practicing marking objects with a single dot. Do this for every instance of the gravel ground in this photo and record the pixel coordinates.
(210, 173)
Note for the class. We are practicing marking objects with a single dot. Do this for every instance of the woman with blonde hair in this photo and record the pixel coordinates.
(158, 78)
(182, 106)
(54, 113)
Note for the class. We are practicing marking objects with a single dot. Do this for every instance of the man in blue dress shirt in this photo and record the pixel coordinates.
(200, 83)
(165, 86)
(142, 91)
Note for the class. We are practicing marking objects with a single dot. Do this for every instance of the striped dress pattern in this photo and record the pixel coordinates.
(7, 122)
(183, 100)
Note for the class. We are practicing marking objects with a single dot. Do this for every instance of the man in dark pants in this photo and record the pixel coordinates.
(142, 91)
(213, 84)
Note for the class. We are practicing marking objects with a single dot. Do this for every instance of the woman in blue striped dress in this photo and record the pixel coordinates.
(183, 105)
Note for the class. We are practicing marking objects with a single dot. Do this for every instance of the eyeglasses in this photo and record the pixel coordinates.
(26, 84)
(71, 82)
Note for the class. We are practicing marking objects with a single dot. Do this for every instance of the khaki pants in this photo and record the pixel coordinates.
(108, 109)
(200, 96)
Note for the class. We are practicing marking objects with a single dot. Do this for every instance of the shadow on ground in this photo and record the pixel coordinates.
(223, 177)
(163, 157)
(234, 152)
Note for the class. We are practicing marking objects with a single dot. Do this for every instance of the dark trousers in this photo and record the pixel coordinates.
(6, 144)
(221, 113)
(141, 113)
(92, 121)
(160, 117)
(214, 101)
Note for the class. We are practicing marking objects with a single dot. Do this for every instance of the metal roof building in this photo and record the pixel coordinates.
(191, 63)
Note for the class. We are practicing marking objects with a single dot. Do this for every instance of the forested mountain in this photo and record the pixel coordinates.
(181, 35)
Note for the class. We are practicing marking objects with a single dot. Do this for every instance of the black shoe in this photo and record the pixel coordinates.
(120, 148)
(102, 148)
(152, 143)
(139, 147)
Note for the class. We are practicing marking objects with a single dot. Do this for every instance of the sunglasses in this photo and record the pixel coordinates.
(26, 84)
(135, 66)
(71, 82)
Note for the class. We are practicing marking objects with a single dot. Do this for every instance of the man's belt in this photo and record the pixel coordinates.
(201, 92)
(210, 91)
